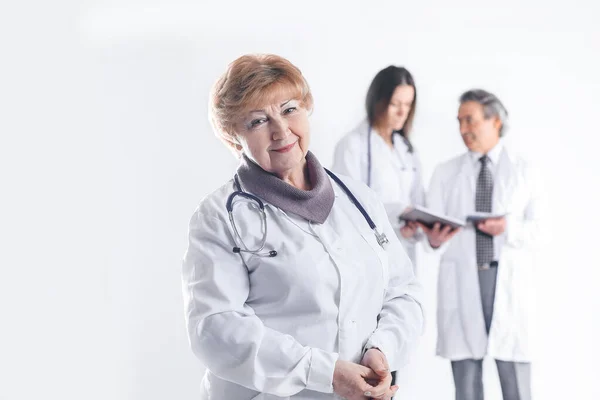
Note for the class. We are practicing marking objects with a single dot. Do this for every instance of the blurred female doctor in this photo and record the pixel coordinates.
(291, 288)
(378, 151)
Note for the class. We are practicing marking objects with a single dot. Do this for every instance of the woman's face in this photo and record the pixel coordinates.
(399, 107)
(276, 135)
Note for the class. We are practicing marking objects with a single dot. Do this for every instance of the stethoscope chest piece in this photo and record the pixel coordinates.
(382, 239)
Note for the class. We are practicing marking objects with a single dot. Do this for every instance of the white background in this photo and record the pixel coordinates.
(106, 150)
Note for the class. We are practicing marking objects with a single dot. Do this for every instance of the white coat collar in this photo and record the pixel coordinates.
(471, 158)
(493, 154)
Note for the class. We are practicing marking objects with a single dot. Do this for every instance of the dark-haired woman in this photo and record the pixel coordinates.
(379, 153)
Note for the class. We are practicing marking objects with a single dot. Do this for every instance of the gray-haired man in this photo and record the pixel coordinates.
(485, 276)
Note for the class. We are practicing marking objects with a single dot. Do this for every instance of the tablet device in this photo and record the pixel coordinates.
(479, 216)
(429, 218)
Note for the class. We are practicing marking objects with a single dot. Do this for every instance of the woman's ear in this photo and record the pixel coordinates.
(234, 144)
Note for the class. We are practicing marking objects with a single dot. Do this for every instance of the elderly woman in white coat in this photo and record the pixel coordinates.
(486, 276)
(378, 152)
(290, 291)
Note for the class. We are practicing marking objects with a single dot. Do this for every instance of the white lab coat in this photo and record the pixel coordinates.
(269, 328)
(461, 327)
(395, 174)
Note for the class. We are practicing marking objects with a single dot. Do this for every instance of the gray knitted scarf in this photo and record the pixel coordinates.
(314, 204)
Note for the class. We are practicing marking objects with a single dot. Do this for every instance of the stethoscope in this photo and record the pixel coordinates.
(369, 158)
(382, 239)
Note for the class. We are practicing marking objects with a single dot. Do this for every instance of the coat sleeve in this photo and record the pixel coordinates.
(435, 200)
(417, 194)
(401, 320)
(524, 229)
(224, 332)
(417, 198)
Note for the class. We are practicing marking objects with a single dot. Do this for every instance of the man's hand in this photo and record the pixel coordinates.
(377, 362)
(437, 235)
(492, 226)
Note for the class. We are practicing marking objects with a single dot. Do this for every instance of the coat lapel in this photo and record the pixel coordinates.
(504, 180)
(462, 194)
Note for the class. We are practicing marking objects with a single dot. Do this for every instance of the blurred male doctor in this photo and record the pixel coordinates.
(486, 270)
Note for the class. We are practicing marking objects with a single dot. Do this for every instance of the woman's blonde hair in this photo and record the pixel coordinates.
(248, 82)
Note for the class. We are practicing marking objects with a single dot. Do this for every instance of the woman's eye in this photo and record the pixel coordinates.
(289, 110)
(255, 122)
